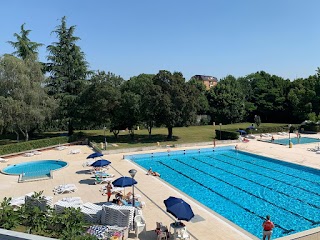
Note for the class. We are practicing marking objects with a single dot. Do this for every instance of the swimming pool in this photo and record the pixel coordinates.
(295, 140)
(243, 187)
(35, 169)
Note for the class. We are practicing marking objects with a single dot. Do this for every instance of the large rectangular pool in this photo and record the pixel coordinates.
(243, 187)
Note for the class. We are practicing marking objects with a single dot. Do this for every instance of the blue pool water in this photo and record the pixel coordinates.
(295, 140)
(34, 169)
(244, 187)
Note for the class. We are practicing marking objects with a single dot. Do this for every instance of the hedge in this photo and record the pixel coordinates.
(32, 144)
(226, 135)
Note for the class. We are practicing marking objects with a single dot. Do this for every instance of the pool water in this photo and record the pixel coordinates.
(295, 140)
(34, 169)
(244, 187)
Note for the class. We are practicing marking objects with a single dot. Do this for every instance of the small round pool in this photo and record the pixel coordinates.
(34, 169)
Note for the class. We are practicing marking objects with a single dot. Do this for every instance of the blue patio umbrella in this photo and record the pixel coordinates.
(179, 208)
(100, 163)
(242, 132)
(94, 155)
(124, 182)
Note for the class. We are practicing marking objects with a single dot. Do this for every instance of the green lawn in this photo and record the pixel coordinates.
(180, 135)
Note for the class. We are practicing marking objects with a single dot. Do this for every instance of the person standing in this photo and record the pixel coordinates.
(109, 191)
(267, 228)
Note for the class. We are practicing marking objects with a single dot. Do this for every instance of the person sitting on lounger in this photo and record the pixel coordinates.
(120, 202)
(156, 174)
(150, 171)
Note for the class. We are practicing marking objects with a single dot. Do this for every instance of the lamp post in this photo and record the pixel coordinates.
(105, 139)
(289, 134)
(133, 173)
(220, 124)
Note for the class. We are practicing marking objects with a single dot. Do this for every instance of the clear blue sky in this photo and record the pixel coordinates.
(210, 37)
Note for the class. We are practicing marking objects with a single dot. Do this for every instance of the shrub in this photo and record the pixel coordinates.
(33, 144)
(226, 135)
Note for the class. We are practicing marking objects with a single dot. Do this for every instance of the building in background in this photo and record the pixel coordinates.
(208, 81)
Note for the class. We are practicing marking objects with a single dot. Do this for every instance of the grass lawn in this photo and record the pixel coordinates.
(181, 135)
(141, 138)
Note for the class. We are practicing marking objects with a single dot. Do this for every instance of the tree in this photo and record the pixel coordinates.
(8, 216)
(149, 94)
(127, 114)
(68, 71)
(23, 99)
(270, 96)
(227, 101)
(25, 48)
(177, 101)
(202, 98)
(100, 98)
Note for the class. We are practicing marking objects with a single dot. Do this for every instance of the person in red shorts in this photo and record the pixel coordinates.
(109, 190)
(267, 228)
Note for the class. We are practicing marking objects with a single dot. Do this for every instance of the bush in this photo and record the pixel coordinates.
(227, 135)
(33, 144)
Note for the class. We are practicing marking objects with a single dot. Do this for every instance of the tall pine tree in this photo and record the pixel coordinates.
(25, 48)
(68, 72)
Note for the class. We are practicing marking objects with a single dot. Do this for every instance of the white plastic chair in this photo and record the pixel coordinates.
(183, 234)
(162, 236)
(140, 224)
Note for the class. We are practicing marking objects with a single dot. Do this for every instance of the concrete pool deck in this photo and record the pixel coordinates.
(206, 224)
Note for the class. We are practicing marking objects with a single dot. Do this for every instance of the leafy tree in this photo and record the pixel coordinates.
(23, 99)
(227, 101)
(177, 101)
(249, 105)
(25, 48)
(149, 94)
(202, 98)
(99, 100)
(68, 71)
(302, 98)
(8, 216)
(73, 222)
(127, 114)
(270, 96)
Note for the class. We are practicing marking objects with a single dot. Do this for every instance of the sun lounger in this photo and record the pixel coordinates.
(102, 180)
(60, 148)
(3, 160)
(68, 188)
(75, 151)
(72, 199)
(28, 154)
(36, 152)
(65, 190)
(61, 205)
(63, 186)
(104, 174)
(251, 136)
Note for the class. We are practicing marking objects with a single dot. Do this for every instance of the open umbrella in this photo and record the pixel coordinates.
(100, 163)
(124, 182)
(179, 208)
(242, 132)
(94, 155)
